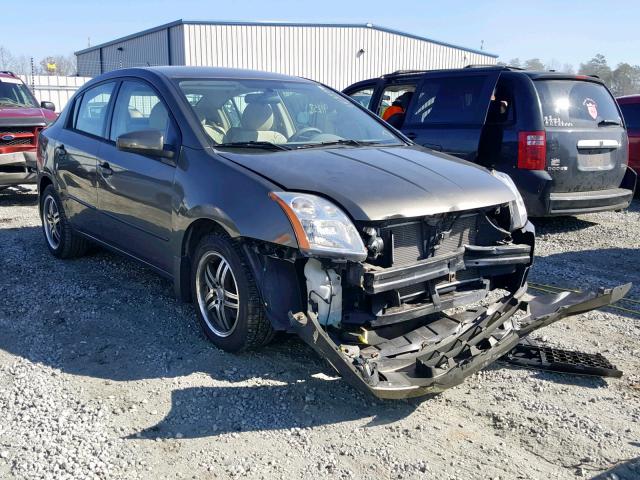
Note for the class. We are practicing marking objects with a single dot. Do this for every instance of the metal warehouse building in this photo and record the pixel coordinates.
(335, 54)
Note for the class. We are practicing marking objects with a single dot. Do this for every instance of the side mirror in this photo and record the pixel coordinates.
(48, 106)
(144, 142)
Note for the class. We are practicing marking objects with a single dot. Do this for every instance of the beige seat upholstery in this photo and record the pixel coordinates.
(257, 121)
(158, 118)
(211, 122)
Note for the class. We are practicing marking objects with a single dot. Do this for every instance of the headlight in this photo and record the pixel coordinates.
(517, 208)
(321, 228)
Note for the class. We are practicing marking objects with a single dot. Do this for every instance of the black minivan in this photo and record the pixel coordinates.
(560, 137)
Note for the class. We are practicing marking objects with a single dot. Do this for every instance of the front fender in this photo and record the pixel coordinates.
(211, 187)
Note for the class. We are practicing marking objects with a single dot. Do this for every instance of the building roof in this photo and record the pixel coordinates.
(283, 24)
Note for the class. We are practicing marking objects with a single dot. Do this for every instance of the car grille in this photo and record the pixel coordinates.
(23, 136)
(16, 141)
(417, 240)
(12, 130)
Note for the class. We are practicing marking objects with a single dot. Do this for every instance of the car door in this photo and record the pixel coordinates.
(75, 155)
(448, 110)
(135, 191)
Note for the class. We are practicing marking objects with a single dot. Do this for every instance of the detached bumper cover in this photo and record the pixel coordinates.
(430, 364)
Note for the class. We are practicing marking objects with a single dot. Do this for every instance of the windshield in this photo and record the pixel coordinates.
(280, 113)
(576, 103)
(14, 93)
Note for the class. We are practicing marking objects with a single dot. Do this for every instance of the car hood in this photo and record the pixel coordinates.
(374, 183)
(12, 116)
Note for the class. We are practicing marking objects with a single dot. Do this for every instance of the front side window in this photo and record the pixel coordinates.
(631, 114)
(138, 108)
(15, 94)
(575, 103)
(363, 96)
(450, 100)
(394, 103)
(288, 113)
(92, 113)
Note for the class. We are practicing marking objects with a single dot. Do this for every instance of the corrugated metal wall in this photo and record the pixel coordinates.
(335, 55)
(332, 55)
(150, 49)
(177, 45)
(143, 50)
(89, 63)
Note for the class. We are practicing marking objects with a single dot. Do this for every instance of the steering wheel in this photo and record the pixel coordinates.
(303, 134)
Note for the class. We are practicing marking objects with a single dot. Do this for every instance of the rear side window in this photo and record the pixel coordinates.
(631, 114)
(92, 114)
(451, 100)
(575, 103)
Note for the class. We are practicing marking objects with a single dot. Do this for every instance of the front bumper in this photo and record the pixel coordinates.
(17, 168)
(423, 362)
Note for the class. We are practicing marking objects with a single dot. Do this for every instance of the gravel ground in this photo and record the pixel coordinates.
(103, 374)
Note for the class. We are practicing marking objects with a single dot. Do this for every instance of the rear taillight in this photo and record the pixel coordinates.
(532, 150)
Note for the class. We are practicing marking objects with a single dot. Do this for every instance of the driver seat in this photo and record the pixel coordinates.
(257, 120)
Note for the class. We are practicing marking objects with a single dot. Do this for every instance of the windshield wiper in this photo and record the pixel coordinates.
(342, 141)
(254, 144)
(604, 123)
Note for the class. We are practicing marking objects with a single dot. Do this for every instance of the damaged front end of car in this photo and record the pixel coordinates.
(394, 305)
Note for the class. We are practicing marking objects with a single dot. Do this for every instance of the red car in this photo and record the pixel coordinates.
(630, 106)
(21, 119)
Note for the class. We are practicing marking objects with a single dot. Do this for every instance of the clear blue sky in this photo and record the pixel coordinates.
(565, 31)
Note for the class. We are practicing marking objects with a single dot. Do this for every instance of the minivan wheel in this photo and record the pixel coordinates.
(61, 240)
(226, 297)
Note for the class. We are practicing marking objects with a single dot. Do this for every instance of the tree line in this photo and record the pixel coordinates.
(624, 79)
(21, 64)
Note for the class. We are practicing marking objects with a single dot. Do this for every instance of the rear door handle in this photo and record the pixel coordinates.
(411, 135)
(105, 169)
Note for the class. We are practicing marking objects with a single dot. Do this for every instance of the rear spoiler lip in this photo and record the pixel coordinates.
(542, 311)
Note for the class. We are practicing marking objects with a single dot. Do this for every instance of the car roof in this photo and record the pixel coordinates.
(629, 99)
(533, 74)
(181, 72)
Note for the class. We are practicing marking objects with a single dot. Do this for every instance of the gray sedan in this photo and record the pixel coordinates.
(278, 204)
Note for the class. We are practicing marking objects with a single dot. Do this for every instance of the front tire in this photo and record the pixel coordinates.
(226, 297)
(61, 240)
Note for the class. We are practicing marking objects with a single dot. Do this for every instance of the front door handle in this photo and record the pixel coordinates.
(105, 169)
(60, 151)
(411, 135)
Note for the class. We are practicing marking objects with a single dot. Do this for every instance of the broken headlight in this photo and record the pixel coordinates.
(516, 206)
(321, 228)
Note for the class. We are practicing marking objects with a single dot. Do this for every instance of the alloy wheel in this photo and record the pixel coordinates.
(217, 294)
(51, 220)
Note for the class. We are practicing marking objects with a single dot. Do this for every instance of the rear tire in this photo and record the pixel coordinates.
(226, 297)
(59, 236)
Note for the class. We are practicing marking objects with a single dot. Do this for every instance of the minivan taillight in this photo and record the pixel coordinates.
(532, 150)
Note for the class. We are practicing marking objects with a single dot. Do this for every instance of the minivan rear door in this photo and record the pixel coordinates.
(449, 109)
(587, 145)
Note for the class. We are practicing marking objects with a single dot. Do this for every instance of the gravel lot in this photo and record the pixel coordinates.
(103, 374)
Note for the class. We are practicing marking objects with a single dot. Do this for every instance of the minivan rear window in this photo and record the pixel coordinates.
(575, 103)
